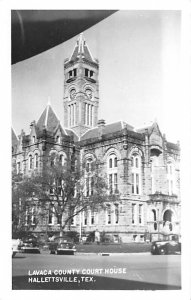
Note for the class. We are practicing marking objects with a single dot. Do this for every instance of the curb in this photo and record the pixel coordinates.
(111, 254)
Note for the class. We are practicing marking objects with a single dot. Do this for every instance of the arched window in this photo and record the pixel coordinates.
(113, 173)
(136, 173)
(30, 162)
(36, 161)
(62, 159)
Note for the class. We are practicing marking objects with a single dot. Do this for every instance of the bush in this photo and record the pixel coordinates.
(74, 235)
(91, 237)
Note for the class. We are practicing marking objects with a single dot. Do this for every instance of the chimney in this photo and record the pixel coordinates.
(101, 125)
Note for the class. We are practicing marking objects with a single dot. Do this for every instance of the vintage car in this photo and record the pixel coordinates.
(169, 244)
(30, 245)
(62, 246)
(16, 243)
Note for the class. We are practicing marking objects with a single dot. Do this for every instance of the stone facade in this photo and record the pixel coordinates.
(141, 164)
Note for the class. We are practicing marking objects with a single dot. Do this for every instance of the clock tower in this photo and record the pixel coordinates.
(81, 89)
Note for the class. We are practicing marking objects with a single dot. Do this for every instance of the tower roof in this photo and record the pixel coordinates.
(48, 119)
(14, 138)
(81, 50)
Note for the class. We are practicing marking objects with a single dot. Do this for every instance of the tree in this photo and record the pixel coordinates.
(64, 189)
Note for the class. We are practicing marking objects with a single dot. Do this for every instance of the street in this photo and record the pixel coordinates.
(141, 271)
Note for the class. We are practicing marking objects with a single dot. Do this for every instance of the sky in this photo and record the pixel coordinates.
(139, 60)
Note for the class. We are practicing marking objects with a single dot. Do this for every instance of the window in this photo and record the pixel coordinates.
(85, 218)
(108, 214)
(89, 177)
(115, 182)
(72, 114)
(86, 72)
(140, 213)
(36, 161)
(52, 158)
(75, 72)
(171, 178)
(33, 139)
(30, 162)
(18, 167)
(92, 217)
(59, 219)
(110, 163)
(112, 173)
(116, 213)
(51, 217)
(115, 162)
(72, 73)
(58, 139)
(154, 173)
(136, 174)
(88, 114)
(154, 218)
(133, 213)
(59, 186)
(62, 159)
(73, 219)
(27, 217)
(33, 217)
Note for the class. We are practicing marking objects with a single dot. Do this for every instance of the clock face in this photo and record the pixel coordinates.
(72, 93)
(89, 93)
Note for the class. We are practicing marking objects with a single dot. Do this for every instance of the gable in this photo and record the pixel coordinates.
(155, 137)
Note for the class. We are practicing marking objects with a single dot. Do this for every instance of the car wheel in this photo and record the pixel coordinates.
(162, 251)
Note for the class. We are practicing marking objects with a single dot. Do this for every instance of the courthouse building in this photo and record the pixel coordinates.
(140, 163)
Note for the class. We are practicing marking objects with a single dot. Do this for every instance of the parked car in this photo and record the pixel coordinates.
(30, 245)
(170, 244)
(62, 246)
(16, 243)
